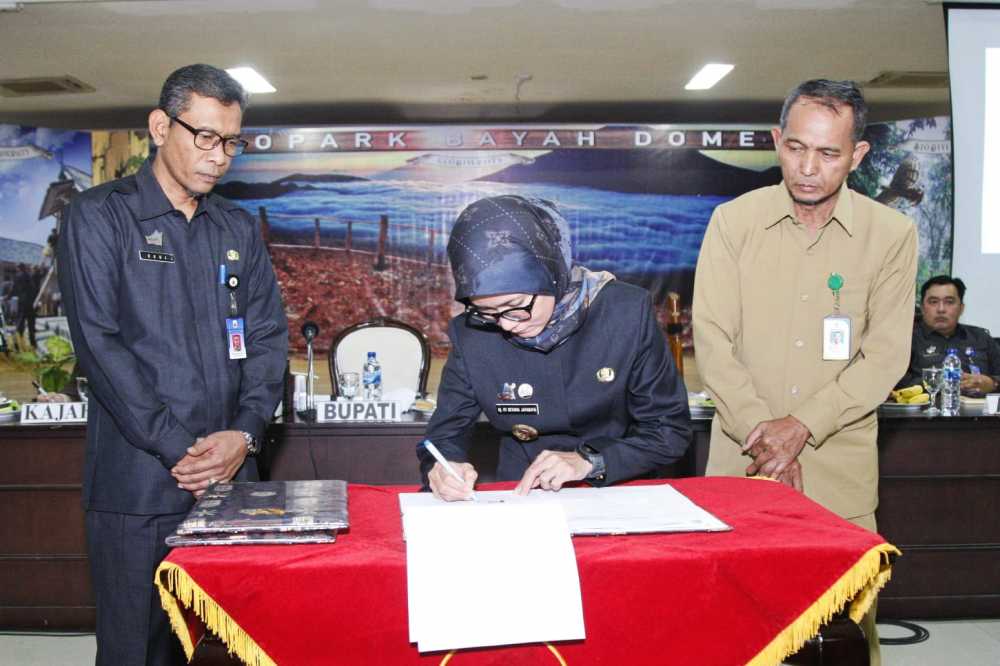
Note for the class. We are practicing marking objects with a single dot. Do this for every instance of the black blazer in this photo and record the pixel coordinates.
(147, 314)
(638, 419)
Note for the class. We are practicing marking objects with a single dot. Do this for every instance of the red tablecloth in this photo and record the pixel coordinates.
(752, 595)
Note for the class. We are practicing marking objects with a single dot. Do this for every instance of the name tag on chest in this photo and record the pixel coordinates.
(523, 408)
(159, 257)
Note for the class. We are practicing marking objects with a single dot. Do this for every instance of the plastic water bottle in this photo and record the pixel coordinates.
(371, 378)
(950, 384)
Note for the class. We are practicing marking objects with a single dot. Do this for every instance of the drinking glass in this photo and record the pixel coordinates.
(83, 388)
(348, 383)
(932, 383)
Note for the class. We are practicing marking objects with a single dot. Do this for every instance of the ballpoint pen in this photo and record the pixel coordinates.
(445, 464)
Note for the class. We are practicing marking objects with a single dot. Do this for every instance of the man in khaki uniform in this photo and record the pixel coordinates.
(803, 307)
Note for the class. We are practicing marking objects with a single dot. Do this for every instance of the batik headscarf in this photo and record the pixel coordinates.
(516, 245)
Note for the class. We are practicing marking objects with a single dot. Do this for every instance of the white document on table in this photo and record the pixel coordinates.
(518, 558)
(611, 510)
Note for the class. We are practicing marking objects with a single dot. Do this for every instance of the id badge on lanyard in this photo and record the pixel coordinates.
(236, 338)
(236, 335)
(836, 326)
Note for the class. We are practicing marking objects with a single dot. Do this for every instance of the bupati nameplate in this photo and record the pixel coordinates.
(53, 412)
(358, 410)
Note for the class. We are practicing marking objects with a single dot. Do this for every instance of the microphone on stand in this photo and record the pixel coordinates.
(309, 331)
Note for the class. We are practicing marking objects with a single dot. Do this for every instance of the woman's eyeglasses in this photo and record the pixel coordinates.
(520, 313)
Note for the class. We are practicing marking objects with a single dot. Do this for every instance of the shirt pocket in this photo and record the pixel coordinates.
(854, 297)
(854, 302)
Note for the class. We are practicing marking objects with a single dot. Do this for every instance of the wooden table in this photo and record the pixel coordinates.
(939, 498)
(709, 598)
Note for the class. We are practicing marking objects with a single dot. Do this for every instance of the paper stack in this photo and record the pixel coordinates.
(511, 555)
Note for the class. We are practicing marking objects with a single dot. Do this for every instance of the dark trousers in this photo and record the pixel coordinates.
(124, 551)
(26, 319)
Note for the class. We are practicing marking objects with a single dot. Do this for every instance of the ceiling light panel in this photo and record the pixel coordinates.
(251, 80)
(708, 76)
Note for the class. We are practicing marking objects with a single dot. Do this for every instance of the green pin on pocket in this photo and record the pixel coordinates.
(835, 282)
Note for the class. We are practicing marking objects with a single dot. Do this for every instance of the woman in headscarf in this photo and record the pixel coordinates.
(569, 363)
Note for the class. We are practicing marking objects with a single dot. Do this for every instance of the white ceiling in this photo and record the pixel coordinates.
(414, 60)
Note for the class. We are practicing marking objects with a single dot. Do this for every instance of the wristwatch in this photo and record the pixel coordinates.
(595, 458)
(253, 444)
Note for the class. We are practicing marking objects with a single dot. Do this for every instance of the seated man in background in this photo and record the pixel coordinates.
(938, 330)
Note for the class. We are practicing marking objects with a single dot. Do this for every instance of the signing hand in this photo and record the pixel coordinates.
(774, 445)
(551, 469)
(446, 487)
(215, 457)
(977, 384)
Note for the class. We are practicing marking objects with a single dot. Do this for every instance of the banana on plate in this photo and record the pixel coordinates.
(911, 395)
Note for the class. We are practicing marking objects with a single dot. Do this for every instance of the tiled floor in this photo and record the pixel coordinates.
(49, 650)
(953, 643)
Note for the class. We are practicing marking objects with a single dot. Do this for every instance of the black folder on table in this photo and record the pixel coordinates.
(265, 512)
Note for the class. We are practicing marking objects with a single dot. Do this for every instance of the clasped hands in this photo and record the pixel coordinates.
(212, 458)
(549, 471)
(977, 384)
(774, 448)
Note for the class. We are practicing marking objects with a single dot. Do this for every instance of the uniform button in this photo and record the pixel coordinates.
(795, 390)
(799, 343)
(804, 297)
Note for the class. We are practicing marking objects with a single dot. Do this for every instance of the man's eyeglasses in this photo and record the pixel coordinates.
(520, 313)
(206, 139)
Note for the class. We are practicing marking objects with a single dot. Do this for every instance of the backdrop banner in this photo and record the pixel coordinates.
(358, 219)
(910, 168)
(41, 170)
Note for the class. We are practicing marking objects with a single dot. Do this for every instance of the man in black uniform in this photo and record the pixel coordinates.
(938, 330)
(158, 275)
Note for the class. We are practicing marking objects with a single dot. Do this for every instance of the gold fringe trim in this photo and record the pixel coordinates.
(175, 585)
(858, 586)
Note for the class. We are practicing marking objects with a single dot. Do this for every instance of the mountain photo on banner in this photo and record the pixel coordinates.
(640, 213)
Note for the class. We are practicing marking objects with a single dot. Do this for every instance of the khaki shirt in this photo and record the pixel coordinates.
(760, 297)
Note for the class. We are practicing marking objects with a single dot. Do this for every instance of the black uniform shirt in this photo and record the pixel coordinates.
(612, 385)
(974, 344)
(148, 315)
